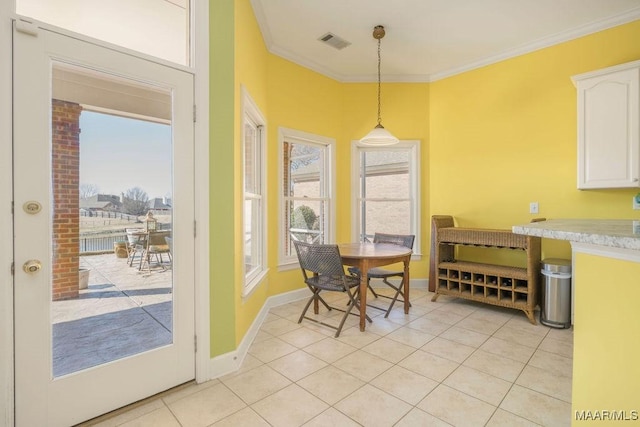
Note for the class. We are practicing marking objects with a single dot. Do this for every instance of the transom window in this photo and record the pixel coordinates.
(385, 184)
(307, 191)
(154, 27)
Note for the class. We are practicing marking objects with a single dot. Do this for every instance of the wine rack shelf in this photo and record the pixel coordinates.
(505, 286)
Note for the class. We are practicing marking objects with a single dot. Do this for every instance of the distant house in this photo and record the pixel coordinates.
(101, 202)
(160, 206)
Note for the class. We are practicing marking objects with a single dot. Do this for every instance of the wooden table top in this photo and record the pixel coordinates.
(372, 250)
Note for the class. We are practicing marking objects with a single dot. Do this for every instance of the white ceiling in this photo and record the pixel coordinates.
(426, 40)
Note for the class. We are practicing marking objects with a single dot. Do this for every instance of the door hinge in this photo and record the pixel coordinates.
(13, 268)
(194, 113)
(195, 343)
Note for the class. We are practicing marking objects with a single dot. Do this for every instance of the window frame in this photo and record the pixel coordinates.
(251, 114)
(413, 148)
(288, 262)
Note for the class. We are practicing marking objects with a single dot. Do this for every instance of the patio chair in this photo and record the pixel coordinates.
(169, 241)
(137, 243)
(322, 270)
(156, 246)
(405, 240)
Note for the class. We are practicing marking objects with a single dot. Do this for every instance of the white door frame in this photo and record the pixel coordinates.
(200, 53)
(6, 218)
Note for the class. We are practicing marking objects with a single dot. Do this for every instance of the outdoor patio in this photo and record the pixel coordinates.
(122, 312)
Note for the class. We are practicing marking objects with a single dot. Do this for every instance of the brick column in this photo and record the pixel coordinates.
(65, 166)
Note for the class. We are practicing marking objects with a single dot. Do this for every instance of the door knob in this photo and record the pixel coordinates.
(32, 266)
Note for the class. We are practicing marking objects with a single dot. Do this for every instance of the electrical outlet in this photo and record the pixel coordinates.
(533, 207)
(636, 202)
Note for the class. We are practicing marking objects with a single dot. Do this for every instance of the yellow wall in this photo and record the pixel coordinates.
(606, 368)
(505, 135)
(294, 97)
(492, 140)
(251, 71)
(306, 101)
(405, 113)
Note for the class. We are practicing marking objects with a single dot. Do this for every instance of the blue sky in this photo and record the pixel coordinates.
(118, 153)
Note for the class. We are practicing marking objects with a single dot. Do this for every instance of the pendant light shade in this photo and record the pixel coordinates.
(379, 136)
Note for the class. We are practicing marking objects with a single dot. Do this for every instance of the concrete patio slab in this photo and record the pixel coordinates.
(122, 312)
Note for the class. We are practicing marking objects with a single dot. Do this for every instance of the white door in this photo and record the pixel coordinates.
(100, 138)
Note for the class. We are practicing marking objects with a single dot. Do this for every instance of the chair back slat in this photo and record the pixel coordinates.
(321, 259)
(157, 238)
(405, 240)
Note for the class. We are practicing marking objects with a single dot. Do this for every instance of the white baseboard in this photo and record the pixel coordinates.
(414, 283)
(232, 361)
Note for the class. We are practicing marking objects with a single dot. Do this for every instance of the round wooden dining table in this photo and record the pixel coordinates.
(369, 255)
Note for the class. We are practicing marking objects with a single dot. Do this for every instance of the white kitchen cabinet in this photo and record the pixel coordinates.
(609, 127)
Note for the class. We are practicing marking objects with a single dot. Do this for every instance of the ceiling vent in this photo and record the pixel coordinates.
(334, 41)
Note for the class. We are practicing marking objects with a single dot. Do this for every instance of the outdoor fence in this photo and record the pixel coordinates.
(107, 214)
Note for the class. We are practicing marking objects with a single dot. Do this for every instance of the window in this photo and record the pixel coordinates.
(254, 212)
(386, 192)
(307, 212)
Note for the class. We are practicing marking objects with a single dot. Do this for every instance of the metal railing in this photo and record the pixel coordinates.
(104, 242)
(100, 243)
(305, 235)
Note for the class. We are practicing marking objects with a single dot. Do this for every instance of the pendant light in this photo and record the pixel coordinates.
(379, 136)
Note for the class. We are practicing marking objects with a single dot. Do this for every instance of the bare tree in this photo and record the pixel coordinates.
(136, 201)
(88, 190)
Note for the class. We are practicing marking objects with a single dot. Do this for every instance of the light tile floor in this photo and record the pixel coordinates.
(451, 362)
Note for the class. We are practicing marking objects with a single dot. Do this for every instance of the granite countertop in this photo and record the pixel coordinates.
(617, 233)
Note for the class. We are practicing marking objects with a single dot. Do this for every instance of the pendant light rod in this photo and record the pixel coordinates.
(379, 136)
(379, 33)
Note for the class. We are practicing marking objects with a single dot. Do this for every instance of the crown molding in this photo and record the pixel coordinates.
(542, 43)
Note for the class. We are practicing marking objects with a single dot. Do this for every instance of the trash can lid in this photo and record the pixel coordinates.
(556, 265)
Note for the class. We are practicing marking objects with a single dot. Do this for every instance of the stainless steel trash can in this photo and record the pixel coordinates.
(556, 293)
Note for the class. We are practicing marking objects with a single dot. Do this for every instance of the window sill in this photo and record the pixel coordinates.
(250, 287)
(288, 266)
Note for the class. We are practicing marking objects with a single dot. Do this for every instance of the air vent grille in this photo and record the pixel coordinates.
(334, 41)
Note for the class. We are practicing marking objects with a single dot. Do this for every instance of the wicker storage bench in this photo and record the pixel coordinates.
(505, 286)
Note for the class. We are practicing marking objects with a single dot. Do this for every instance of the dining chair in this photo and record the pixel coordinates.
(405, 240)
(322, 270)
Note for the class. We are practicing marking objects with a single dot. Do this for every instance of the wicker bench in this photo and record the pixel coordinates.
(505, 286)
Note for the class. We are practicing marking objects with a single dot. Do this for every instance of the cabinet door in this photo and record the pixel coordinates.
(608, 127)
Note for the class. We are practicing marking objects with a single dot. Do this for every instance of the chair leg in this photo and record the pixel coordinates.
(375, 295)
(324, 303)
(314, 298)
(132, 255)
(306, 307)
(395, 297)
(353, 301)
(344, 319)
(356, 300)
(145, 259)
